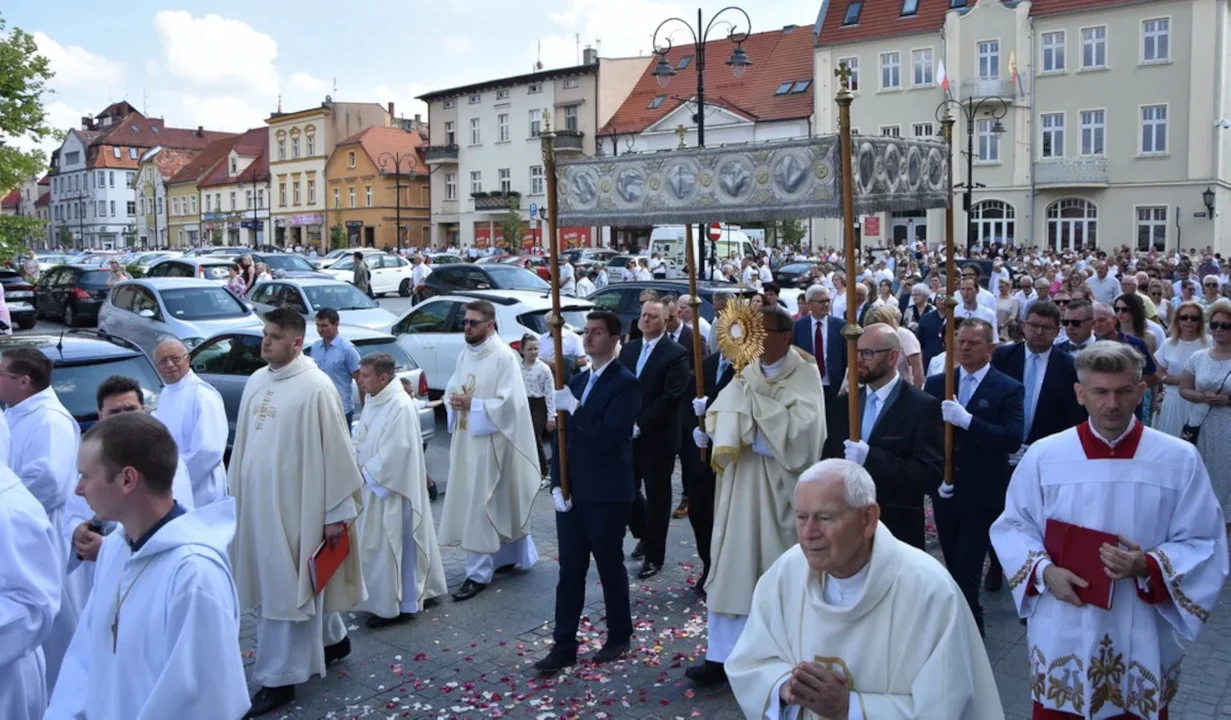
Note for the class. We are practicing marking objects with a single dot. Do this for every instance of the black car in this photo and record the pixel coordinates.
(793, 274)
(72, 293)
(81, 360)
(19, 296)
(984, 279)
(473, 276)
(623, 299)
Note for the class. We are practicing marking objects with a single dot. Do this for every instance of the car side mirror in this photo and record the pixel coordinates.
(148, 314)
(482, 286)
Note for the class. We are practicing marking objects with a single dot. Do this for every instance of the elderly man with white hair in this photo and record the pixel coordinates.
(852, 623)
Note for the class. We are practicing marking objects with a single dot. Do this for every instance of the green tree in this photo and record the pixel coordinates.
(23, 81)
(790, 232)
(510, 223)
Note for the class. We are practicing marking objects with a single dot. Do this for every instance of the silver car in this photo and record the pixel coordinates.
(306, 296)
(214, 269)
(150, 310)
(226, 360)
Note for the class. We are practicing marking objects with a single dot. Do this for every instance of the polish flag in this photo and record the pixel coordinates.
(941, 78)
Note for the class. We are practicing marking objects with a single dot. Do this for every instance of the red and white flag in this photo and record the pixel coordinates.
(941, 78)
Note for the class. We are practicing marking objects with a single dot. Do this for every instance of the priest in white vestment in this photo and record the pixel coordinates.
(295, 482)
(43, 453)
(159, 636)
(29, 598)
(192, 409)
(854, 624)
(401, 559)
(1152, 491)
(493, 461)
(766, 427)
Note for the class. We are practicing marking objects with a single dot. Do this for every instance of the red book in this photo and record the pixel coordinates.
(326, 561)
(1076, 549)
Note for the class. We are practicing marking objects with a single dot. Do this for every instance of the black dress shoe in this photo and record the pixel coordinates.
(506, 568)
(432, 492)
(649, 570)
(376, 621)
(337, 651)
(469, 589)
(993, 582)
(430, 603)
(639, 551)
(707, 673)
(611, 651)
(555, 661)
(269, 699)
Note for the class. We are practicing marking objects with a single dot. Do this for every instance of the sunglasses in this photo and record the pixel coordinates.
(1190, 318)
(1062, 303)
(1075, 322)
(1122, 309)
(467, 322)
(1220, 325)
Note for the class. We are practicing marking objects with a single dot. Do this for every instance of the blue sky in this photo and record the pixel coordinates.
(223, 64)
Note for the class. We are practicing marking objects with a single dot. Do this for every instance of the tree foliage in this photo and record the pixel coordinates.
(510, 223)
(23, 81)
(790, 232)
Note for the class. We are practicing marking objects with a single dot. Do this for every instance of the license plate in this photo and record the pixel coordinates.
(20, 307)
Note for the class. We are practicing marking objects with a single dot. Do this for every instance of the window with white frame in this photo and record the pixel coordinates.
(502, 94)
(476, 181)
(337, 197)
(506, 181)
(534, 88)
(450, 103)
(450, 132)
(1093, 132)
(260, 198)
(311, 142)
(476, 99)
(852, 64)
(192, 204)
(232, 201)
(311, 192)
(570, 83)
(1155, 39)
(537, 180)
(891, 130)
(281, 148)
(891, 71)
(989, 60)
(350, 196)
(296, 196)
(536, 123)
(367, 195)
(571, 116)
(1094, 47)
(450, 186)
(1152, 228)
(921, 66)
(248, 200)
(112, 208)
(1153, 129)
(476, 136)
(1053, 52)
(502, 127)
(921, 130)
(989, 141)
(1053, 135)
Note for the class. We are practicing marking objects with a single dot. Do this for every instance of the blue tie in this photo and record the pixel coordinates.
(645, 354)
(1032, 380)
(869, 415)
(966, 390)
(722, 369)
(589, 386)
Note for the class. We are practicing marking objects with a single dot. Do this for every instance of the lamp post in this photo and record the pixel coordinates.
(396, 158)
(997, 107)
(739, 62)
(1207, 197)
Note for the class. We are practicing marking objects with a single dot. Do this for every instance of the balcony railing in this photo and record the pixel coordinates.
(1072, 173)
(495, 201)
(569, 141)
(979, 88)
(441, 153)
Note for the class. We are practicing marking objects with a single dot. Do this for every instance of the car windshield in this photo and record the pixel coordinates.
(337, 253)
(796, 268)
(94, 278)
(347, 263)
(76, 385)
(202, 303)
(400, 358)
(290, 263)
(514, 278)
(339, 297)
(537, 321)
(216, 272)
(148, 260)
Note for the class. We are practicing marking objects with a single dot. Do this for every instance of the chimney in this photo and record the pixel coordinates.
(391, 110)
(418, 119)
(200, 131)
(589, 56)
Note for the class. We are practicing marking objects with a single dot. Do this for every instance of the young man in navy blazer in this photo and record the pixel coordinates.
(602, 405)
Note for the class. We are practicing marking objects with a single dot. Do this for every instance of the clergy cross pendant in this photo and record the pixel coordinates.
(115, 633)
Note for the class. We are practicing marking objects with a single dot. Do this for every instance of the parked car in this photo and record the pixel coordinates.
(390, 273)
(81, 360)
(472, 276)
(146, 260)
(48, 261)
(623, 299)
(616, 265)
(226, 360)
(19, 297)
(293, 265)
(309, 296)
(72, 293)
(588, 258)
(150, 310)
(432, 330)
(324, 263)
(205, 267)
(440, 258)
(791, 275)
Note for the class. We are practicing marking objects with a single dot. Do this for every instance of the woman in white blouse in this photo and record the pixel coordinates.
(540, 389)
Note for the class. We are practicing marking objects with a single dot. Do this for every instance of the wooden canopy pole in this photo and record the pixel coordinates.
(950, 297)
(695, 302)
(555, 321)
(851, 331)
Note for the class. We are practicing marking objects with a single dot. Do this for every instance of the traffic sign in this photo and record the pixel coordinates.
(715, 231)
(534, 210)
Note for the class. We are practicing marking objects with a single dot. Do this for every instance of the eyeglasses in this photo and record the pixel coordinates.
(869, 353)
(1075, 322)
(1220, 325)
(170, 360)
(467, 322)
(1041, 328)
(1213, 285)
(1190, 318)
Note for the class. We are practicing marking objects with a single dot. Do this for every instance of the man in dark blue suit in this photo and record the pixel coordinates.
(820, 334)
(1048, 375)
(602, 406)
(931, 334)
(717, 373)
(987, 421)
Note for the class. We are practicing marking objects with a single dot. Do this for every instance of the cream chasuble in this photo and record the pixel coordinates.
(1152, 489)
(493, 464)
(908, 646)
(292, 462)
(389, 448)
(753, 516)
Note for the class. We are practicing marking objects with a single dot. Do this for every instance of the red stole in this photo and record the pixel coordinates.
(1097, 449)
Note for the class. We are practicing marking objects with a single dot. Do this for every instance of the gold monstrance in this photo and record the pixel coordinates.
(741, 333)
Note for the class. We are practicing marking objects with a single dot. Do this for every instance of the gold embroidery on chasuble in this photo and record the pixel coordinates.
(1059, 681)
(265, 410)
(1105, 673)
(464, 414)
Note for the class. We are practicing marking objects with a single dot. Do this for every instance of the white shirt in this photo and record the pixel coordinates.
(981, 312)
(196, 417)
(823, 324)
(1033, 399)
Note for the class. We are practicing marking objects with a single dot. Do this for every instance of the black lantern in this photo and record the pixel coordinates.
(1208, 198)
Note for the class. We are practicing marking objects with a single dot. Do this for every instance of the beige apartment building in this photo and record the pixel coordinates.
(300, 144)
(1115, 115)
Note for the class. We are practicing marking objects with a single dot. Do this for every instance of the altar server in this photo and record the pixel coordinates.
(193, 411)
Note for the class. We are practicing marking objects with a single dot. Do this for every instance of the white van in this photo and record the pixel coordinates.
(668, 240)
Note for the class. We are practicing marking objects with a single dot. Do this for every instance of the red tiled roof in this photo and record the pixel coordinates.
(11, 200)
(254, 143)
(378, 140)
(1058, 7)
(43, 200)
(778, 57)
(136, 130)
(205, 160)
(882, 19)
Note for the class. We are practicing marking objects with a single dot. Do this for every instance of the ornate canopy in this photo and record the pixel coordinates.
(791, 179)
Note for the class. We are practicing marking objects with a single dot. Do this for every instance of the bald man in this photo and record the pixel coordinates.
(193, 411)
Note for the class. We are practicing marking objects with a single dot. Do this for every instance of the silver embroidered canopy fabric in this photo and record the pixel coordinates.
(792, 179)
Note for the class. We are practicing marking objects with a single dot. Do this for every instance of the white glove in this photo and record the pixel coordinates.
(1016, 458)
(700, 437)
(636, 431)
(946, 491)
(856, 451)
(954, 414)
(566, 401)
(562, 505)
(698, 406)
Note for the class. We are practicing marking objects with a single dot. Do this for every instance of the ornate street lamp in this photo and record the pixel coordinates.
(997, 107)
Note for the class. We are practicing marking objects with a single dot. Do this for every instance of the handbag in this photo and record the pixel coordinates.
(1192, 432)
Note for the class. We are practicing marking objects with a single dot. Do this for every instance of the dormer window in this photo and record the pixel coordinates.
(234, 166)
(657, 101)
(136, 129)
(852, 13)
(132, 153)
(909, 7)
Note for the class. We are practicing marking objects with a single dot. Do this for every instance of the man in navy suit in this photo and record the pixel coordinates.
(602, 406)
(717, 373)
(987, 421)
(820, 334)
(931, 334)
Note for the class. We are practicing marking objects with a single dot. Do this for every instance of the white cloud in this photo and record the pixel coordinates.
(304, 81)
(456, 45)
(76, 66)
(228, 113)
(216, 52)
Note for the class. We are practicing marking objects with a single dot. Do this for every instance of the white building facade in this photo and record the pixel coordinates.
(95, 207)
